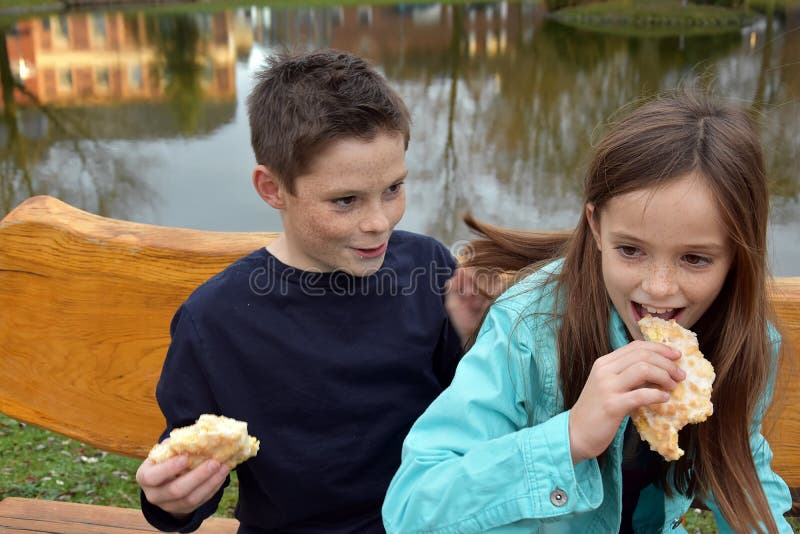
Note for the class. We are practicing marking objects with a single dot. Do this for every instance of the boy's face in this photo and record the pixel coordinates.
(345, 207)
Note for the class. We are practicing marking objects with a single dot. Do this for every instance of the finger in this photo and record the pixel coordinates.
(639, 347)
(642, 355)
(660, 348)
(641, 397)
(151, 474)
(642, 373)
(196, 487)
(458, 282)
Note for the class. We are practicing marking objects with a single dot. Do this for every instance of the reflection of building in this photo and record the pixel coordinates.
(97, 58)
(413, 31)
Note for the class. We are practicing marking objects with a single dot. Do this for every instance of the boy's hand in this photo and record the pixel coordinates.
(467, 297)
(173, 489)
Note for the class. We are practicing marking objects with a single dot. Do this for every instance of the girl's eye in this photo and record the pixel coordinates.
(696, 261)
(628, 251)
(345, 202)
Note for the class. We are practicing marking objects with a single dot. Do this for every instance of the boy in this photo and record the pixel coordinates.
(330, 341)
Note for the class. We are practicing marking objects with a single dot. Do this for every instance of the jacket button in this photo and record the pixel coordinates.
(677, 522)
(558, 497)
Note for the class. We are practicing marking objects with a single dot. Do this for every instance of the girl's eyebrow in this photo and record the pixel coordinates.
(622, 236)
(710, 247)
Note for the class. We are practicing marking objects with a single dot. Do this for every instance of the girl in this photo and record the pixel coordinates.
(534, 435)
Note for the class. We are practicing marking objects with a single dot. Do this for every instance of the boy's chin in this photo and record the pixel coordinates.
(365, 270)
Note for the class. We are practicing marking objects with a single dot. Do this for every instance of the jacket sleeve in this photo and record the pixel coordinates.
(775, 489)
(471, 463)
(183, 395)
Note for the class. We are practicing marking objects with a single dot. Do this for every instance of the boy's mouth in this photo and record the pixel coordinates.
(367, 253)
(642, 310)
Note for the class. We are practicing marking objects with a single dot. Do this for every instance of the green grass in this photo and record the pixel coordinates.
(35, 463)
(654, 17)
(39, 464)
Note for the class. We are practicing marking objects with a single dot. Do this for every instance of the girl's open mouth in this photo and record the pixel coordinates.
(642, 310)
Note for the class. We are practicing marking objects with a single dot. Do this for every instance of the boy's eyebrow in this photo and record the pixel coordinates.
(340, 193)
(709, 247)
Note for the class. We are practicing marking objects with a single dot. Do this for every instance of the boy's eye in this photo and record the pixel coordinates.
(628, 251)
(345, 201)
(394, 188)
(695, 260)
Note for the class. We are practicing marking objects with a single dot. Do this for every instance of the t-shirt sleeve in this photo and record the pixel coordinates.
(183, 394)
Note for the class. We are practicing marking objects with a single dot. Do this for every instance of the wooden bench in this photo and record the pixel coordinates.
(86, 303)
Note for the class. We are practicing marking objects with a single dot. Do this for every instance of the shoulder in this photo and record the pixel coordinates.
(773, 336)
(534, 293)
(410, 250)
(229, 284)
(422, 245)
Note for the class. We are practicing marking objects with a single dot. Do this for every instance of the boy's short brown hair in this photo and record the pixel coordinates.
(302, 102)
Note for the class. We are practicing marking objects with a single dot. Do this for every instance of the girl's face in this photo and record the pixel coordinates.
(665, 251)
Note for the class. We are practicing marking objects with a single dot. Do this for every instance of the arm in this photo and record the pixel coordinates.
(775, 489)
(471, 463)
(171, 499)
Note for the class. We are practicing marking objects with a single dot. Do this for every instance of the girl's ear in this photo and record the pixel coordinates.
(594, 224)
(269, 187)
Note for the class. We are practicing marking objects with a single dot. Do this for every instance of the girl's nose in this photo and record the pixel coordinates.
(660, 281)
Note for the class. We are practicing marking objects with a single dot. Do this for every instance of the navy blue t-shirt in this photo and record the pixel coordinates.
(328, 370)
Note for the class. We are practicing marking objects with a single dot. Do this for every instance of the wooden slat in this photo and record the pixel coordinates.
(30, 515)
(782, 424)
(85, 308)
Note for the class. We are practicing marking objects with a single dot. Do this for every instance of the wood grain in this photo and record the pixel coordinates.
(782, 424)
(85, 308)
(30, 515)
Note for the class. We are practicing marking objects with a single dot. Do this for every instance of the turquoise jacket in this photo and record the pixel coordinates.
(492, 454)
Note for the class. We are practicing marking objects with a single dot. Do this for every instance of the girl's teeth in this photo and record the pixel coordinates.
(658, 310)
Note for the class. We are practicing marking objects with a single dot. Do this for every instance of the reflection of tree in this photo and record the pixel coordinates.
(780, 126)
(522, 118)
(81, 171)
(179, 43)
(15, 164)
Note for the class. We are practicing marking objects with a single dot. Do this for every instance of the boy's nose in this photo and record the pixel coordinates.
(375, 221)
(660, 281)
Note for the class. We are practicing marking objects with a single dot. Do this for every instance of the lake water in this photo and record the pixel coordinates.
(141, 115)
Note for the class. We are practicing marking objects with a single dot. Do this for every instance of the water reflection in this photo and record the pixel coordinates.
(141, 116)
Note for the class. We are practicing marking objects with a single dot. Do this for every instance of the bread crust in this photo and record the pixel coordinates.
(689, 402)
(212, 437)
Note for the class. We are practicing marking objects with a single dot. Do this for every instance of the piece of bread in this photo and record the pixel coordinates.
(690, 401)
(211, 437)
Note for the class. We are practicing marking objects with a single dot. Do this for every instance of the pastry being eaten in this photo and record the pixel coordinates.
(211, 437)
(690, 401)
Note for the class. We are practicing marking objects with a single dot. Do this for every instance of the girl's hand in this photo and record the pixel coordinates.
(173, 489)
(638, 374)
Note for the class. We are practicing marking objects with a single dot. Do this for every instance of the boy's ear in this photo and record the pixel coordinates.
(594, 224)
(269, 187)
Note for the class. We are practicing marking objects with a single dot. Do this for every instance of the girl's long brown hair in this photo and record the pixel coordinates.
(666, 138)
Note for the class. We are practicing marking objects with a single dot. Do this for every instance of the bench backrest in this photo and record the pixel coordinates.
(85, 307)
